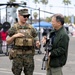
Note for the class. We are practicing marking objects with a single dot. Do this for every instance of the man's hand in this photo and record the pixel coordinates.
(38, 44)
(18, 35)
(44, 40)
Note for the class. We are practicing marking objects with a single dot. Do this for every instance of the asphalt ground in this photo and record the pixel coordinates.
(68, 69)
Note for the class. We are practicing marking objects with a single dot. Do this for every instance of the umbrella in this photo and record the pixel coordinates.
(42, 24)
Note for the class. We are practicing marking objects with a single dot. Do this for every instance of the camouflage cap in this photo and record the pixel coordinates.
(23, 12)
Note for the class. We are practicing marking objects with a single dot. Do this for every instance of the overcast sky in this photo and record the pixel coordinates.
(56, 7)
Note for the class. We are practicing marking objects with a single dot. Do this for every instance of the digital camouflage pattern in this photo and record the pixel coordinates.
(24, 12)
(13, 30)
(23, 62)
(28, 39)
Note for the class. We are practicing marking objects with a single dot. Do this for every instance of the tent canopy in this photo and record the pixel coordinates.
(42, 24)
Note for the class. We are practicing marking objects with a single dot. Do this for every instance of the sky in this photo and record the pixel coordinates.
(54, 6)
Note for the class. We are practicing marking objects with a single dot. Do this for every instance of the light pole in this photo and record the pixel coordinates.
(0, 15)
(31, 16)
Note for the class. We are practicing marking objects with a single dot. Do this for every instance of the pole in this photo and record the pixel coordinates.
(39, 32)
(31, 16)
(0, 15)
(6, 13)
(39, 24)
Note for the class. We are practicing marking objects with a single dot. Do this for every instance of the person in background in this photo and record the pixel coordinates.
(4, 33)
(0, 39)
(4, 44)
(23, 35)
(60, 42)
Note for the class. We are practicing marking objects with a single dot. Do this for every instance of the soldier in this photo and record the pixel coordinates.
(23, 36)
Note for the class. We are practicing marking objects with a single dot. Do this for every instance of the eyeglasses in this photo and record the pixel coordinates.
(25, 16)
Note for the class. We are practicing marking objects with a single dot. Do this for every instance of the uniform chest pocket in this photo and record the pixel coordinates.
(24, 41)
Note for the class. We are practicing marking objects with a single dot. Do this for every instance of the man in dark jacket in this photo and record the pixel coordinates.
(60, 41)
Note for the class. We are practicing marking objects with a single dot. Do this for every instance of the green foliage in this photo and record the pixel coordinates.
(48, 19)
(45, 2)
(36, 1)
(35, 14)
(66, 2)
(12, 0)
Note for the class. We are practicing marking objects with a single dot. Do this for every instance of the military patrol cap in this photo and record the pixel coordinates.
(23, 12)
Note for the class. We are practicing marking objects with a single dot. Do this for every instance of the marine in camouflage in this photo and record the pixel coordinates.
(23, 61)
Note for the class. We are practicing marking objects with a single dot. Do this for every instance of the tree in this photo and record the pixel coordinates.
(66, 2)
(67, 19)
(35, 14)
(12, 0)
(36, 1)
(48, 19)
(45, 2)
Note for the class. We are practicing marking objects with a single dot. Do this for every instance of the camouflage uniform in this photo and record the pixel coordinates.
(23, 60)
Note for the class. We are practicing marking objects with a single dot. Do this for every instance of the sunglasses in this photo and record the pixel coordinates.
(25, 16)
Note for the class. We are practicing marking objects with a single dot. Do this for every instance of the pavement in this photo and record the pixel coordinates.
(68, 69)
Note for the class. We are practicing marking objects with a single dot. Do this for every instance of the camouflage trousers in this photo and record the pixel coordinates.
(23, 63)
